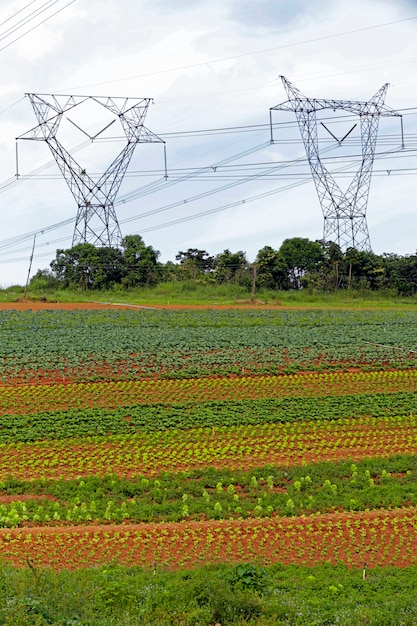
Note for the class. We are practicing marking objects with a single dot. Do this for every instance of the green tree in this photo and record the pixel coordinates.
(400, 273)
(300, 255)
(88, 267)
(76, 266)
(44, 279)
(271, 269)
(141, 262)
(329, 274)
(232, 266)
(111, 268)
(194, 263)
(365, 270)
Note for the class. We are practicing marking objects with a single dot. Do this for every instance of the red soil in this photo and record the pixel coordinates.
(379, 538)
(43, 306)
(39, 305)
(7, 499)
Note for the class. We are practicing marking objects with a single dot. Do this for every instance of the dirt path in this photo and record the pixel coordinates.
(38, 305)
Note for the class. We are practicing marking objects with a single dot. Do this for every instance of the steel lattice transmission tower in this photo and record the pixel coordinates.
(96, 220)
(344, 212)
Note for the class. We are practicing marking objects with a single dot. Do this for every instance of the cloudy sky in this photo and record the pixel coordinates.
(213, 70)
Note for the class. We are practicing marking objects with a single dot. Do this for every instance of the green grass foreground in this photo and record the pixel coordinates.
(240, 595)
(195, 292)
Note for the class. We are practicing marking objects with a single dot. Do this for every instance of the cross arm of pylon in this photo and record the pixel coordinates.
(298, 102)
(147, 136)
(42, 131)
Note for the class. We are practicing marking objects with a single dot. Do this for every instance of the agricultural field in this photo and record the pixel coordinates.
(176, 439)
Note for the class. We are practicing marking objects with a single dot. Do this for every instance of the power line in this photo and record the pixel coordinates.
(32, 16)
(13, 241)
(193, 173)
(26, 19)
(301, 181)
(194, 216)
(220, 130)
(17, 13)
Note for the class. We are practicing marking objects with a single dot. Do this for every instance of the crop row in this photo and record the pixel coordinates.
(377, 538)
(235, 447)
(61, 345)
(36, 398)
(149, 418)
(193, 363)
(268, 492)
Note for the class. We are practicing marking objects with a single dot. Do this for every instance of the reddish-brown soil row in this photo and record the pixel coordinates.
(39, 305)
(113, 394)
(24, 497)
(377, 538)
(44, 305)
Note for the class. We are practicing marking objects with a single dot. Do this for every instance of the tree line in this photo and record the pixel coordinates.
(298, 263)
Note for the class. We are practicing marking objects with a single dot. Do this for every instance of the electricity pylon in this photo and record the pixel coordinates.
(344, 212)
(96, 220)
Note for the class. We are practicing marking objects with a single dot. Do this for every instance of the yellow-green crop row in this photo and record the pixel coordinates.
(240, 447)
(37, 398)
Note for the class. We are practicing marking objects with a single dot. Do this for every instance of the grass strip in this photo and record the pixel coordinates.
(226, 594)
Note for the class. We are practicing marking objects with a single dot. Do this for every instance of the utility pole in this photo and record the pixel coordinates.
(30, 265)
(344, 212)
(253, 283)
